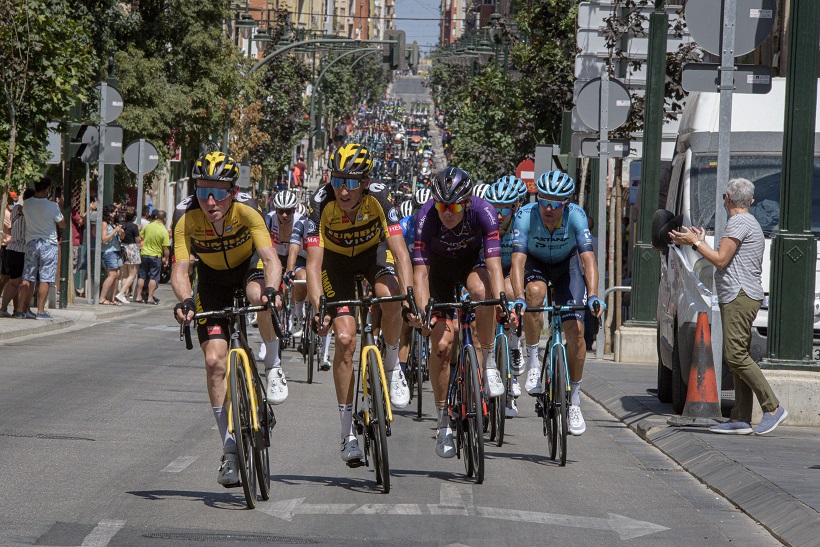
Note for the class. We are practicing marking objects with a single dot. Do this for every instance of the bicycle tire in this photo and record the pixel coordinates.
(240, 412)
(410, 368)
(561, 404)
(420, 361)
(378, 426)
(547, 406)
(475, 415)
(311, 354)
(264, 413)
(499, 404)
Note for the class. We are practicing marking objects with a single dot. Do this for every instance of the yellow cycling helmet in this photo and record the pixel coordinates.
(216, 166)
(351, 160)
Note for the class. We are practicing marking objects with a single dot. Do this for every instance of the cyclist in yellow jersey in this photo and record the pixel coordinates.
(353, 229)
(227, 232)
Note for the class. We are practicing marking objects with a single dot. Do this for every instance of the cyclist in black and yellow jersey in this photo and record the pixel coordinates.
(227, 232)
(353, 229)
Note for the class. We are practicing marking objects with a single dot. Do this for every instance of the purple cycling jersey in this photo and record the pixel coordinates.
(478, 229)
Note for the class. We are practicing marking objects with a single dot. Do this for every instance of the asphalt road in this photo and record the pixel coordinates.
(410, 89)
(107, 438)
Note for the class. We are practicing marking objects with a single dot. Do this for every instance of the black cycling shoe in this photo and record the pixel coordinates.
(229, 471)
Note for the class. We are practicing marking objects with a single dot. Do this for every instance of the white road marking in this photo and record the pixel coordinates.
(457, 499)
(179, 464)
(102, 534)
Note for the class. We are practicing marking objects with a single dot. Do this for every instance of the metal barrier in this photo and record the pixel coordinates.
(599, 350)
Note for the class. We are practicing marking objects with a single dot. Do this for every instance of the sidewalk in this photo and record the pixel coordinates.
(775, 478)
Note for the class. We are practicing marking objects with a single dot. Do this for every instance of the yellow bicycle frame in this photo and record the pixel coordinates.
(363, 363)
(243, 358)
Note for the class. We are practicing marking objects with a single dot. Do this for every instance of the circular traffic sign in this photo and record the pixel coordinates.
(754, 20)
(113, 102)
(588, 104)
(141, 150)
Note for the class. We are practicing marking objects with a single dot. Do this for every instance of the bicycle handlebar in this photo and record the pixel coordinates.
(324, 305)
(228, 313)
(465, 305)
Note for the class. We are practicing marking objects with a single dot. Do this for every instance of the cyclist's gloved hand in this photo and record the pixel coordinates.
(186, 307)
(271, 294)
(521, 302)
(591, 304)
(287, 277)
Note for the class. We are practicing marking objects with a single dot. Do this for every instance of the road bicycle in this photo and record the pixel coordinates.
(372, 412)
(417, 367)
(250, 416)
(552, 404)
(498, 404)
(466, 400)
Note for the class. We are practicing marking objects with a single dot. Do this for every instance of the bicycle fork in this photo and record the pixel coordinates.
(243, 358)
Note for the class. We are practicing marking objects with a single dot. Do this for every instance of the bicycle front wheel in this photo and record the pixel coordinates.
(242, 428)
(561, 403)
(498, 404)
(547, 400)
(261, 460)
(378, 424)
(474, 403)
(421, 365)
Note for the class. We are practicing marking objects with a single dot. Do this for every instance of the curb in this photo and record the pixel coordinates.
(784, 516)
(27, 327)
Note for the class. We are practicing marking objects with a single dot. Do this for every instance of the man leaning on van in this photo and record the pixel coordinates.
(738, 261)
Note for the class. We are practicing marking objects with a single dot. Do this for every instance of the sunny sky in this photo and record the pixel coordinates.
(424, 26)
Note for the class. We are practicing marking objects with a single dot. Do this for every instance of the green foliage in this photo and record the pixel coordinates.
(45, 57)
(343, 88)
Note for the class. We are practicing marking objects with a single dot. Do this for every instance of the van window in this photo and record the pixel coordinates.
(764, 172)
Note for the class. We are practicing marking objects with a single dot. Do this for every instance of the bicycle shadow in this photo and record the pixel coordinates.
(532, 458)
(226, 500)
(441, 475)
(363, 486)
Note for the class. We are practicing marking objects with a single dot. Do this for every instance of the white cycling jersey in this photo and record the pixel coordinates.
(296, 236)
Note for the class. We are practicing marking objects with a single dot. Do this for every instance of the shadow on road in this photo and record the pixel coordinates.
(223, 500)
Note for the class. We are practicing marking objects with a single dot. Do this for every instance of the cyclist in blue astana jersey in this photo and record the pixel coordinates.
(550, 241)
(506, 195)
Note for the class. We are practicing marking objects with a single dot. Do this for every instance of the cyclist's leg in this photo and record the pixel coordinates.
(299, 294)
(516, 360)
(478, 284)
(441, 342)
(405, 338)
(570, 289)
(535, 285)
(275, 383)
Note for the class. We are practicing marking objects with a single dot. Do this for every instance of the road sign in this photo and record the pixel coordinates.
(544, 158)
(112, 149)
(589, 102)
(55, 144)
(526, 172)
(244, 180)
(617, 148)
(706, 77)
(113, 101)
(89, 151)
(141, 157)
(754, 22)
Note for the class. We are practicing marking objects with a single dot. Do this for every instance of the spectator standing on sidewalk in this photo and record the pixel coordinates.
(738, 261)
(43, 217)
(131, 243)
(5, 240)
(112, 233)
(16, 257)
(155, 252)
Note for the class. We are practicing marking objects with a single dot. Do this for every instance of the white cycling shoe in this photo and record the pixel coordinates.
(512, 409)
(533, 385)
(493, 386)
(577, 425)
(444, 444)
(276, 386)
(399, 393)
(516, 389)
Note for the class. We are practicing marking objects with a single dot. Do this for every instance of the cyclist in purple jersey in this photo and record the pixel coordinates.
(457, 244)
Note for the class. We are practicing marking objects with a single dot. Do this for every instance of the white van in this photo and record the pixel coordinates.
(756, 154)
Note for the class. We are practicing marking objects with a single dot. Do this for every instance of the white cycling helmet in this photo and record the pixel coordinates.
(285, 200)
(422, 196)
(480, 189)
(406, 208)
(302, 209)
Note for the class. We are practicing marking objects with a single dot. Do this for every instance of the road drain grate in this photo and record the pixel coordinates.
(251, 538)
(45, 436)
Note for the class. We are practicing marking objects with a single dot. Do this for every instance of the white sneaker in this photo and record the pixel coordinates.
(512, 409)
(277, 386)
(493, 385)
(325, 364)
(577, 425)
(296, 331)
(444, 444)
(533, 385)
(350, 452)
(262, 351)
(399, 394)
(516, 389)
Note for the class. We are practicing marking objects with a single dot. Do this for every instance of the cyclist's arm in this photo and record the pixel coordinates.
(272, 267)
(180, 281)
(421, 284)
(521, 235)
(517, 274)
(496, 275)
(590, 272)
(315, 256)
(398, 247)
(293, 252)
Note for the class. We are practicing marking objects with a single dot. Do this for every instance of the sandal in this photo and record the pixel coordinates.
(115, 303)
(105, 302)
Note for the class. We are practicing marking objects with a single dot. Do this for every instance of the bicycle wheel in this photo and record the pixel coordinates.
(421, 363)
(561, 403)
(261, 459)
(499, 404)
(378, 425)
(474, 404)
(547, 406)
(311, 353)
(240, 411)
(410, 369)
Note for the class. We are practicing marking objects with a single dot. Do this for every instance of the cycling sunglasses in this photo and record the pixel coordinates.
(350, 184)
(550, 203)
(218, 193)
(453, 207)
(284, 211)
(503, 211)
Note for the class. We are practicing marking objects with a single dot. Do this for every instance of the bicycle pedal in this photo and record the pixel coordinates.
(353, 464)
(234, 485)
(539, 410)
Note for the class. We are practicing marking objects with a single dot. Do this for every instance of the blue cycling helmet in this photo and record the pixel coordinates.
(556, 183)
(507, 189)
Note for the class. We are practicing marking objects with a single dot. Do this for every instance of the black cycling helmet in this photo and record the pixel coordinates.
(216, 166)
(452, 185)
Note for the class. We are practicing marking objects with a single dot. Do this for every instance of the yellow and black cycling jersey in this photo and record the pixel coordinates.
(243, 231)
(329, 227)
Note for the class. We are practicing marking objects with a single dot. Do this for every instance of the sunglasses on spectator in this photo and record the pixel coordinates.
(503, 211)
(218, 193)
(551, 203)
(284, 211)
(452, 207)
(350, 184)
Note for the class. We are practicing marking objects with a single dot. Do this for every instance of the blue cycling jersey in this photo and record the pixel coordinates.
(507, 249)
(408, 230)
(530, 236)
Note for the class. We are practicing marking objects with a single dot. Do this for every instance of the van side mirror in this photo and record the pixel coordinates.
(664, 221)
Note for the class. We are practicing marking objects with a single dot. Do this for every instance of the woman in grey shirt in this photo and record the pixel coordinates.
(738, 260)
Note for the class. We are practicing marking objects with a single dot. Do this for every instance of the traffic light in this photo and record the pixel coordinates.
(412, 56)
(394, 52)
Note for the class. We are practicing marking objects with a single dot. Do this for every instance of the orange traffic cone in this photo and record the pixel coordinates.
(702, 394)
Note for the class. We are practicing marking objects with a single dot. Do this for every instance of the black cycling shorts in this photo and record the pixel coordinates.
(447, 274)
(300, 263)
(215, 290)
(339, 273)
(567, 281)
